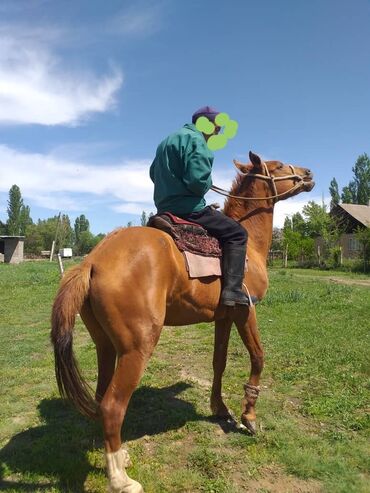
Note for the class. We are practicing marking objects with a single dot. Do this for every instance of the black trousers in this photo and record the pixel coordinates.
(226, 230)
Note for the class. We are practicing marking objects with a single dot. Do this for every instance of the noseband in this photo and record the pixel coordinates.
(272, 182)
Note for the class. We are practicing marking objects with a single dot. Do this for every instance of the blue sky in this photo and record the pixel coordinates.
(88, 89)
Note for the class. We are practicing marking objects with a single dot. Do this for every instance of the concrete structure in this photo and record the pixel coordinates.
(11, 247)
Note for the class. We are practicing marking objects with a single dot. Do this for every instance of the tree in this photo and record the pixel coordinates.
(3, 229)
(318, 221)
(287, 223)
(25, 219)
(361, 180)
(87, 242)
(277, 239)
(65, 232)
(40, 236)
(298, 224)
(334, 193)
(81, 224)
(143, 218)
(346, 196)
(15, 204)
(358, 189)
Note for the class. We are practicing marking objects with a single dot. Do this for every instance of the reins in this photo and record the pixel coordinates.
(266, 177)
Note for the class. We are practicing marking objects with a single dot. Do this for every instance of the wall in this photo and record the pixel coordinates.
(13, 251)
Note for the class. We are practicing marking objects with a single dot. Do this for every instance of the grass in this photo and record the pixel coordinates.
(312, 412)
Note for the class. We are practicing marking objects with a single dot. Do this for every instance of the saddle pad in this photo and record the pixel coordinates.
(199, 266)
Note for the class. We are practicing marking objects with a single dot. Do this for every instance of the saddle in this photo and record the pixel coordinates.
(201, 251)
(188, 236)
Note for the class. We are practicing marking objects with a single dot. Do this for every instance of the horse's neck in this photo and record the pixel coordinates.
(255, 216)
(257, 220)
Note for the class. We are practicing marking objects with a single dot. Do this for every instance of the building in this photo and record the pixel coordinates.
(11, 249)
(350, 218)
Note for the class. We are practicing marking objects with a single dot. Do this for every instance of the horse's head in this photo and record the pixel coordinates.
(282, 180)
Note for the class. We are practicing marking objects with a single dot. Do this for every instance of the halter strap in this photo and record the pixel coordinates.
(271, 180)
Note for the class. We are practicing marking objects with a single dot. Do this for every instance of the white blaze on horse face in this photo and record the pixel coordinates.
(119, 481)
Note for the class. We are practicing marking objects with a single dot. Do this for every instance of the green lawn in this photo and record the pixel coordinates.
(313, 428)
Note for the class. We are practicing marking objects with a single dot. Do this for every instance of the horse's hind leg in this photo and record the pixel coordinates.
(246, 323)
(105, 351)
(221, 342)
(126, 377)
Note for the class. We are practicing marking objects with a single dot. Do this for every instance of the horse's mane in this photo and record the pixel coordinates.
(233, 207)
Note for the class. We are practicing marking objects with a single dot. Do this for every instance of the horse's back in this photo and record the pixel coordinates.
(133, 268)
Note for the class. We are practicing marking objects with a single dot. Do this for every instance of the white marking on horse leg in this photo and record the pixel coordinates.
(119, 481)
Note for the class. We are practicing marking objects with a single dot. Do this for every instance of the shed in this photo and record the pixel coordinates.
(11, 249)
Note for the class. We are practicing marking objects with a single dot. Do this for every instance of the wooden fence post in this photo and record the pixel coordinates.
(286, 256)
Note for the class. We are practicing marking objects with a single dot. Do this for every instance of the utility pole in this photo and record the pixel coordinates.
(55, 238)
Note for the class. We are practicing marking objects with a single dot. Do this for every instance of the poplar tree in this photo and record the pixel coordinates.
(81, 224)
(334, 192)
(358, 189)
(15, 204)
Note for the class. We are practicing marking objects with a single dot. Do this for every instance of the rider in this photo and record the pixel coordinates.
(181, 172)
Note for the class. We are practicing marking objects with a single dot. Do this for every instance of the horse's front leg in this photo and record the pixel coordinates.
(222, 335)
(248, 331)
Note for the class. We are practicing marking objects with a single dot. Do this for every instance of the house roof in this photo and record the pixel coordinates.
(360, 212)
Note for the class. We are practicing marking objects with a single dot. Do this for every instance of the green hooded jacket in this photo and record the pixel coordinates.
(181, 172)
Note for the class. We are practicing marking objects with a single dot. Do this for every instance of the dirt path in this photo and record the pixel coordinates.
(350, 282)
(340, 280)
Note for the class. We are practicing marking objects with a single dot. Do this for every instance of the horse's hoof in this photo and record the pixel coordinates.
(248, 425)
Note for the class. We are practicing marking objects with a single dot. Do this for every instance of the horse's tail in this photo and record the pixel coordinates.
(72, 293)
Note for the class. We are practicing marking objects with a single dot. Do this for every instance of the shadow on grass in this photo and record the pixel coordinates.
(57, 450)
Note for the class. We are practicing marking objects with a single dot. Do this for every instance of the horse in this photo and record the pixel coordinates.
(135, 281)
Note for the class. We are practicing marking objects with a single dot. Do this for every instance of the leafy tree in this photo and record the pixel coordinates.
(358, 189)
(65, 232)
(334, 193)
(287, 223)
(346, 196)
(3, 229)
(292, 240)
(143, 218)
(15, 204)
(298, 223)
(318, 221)
(25, 219)
(81, 224)
(41, 235)
(34, 242)
(277, 239)
(87, 242)
(361, 180)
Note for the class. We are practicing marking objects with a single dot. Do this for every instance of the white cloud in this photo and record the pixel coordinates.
(36, 87)
(55, 183)
(288, 207)
(59, 183)
(138, 20)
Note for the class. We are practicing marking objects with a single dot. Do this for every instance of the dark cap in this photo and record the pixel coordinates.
(206, 111)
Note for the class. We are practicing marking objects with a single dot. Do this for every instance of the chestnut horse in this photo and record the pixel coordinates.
(135, 281)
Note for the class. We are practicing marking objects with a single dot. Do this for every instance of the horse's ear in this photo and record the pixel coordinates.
(255, 160)
(243, 168)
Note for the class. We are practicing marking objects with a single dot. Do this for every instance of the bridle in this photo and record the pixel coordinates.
(272, 182)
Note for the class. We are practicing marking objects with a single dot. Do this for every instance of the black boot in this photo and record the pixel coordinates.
(233, 264)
